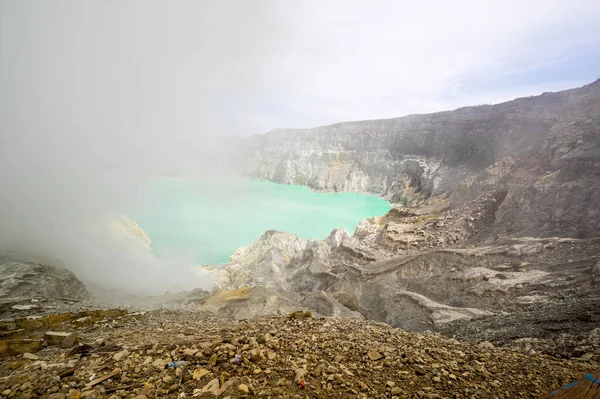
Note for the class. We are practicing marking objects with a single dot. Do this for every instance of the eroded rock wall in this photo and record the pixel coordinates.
(542, 151)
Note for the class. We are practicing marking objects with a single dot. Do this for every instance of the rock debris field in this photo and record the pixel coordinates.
(116, 354)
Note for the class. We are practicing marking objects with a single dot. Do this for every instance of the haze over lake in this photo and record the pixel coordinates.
(208, 219)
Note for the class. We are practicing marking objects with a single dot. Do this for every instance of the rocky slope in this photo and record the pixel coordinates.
(27, 286)
(115, 354)
(419, 272)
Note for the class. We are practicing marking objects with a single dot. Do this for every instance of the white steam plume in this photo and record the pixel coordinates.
(96, 97)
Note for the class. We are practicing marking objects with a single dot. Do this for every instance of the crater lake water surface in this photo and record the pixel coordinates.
(208, 219)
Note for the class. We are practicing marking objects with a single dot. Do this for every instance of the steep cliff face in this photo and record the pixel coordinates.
(542, 152)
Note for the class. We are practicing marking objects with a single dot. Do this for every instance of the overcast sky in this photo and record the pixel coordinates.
(243, 67)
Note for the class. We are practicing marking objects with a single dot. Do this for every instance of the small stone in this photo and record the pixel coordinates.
(437, 379)
(452, 377)
(66, 373)
(396, 391)
(18, 346)
(69, 341)
(261, 339)
(213, 360)
(485, 345)
(121, 355)
(74, 394)
(199, 373)
(255, 354)
(374, 355)
(212, 387)
(244, 389)
(390, 384)
(57, 338)
(300, 373)
(24, 307)
(225, 376)
(30, 356)
(300, 315)
(167, 379)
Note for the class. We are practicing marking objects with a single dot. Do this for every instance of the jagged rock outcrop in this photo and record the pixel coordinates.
(127, 230)
(30, 279)
(28, 285)
(418, 288)
(262, 261)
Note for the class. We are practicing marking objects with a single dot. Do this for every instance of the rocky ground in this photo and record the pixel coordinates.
(419, 269)
(564, 326)
(512, 301)
(117, 354)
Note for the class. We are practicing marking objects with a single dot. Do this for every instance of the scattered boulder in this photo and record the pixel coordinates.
(211, 387)
(199, 373)
(243, 388)
(19, 346)
(62, 339)
(120, 355)
(30, 356)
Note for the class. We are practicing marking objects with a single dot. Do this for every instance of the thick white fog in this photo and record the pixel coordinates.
(98, 96)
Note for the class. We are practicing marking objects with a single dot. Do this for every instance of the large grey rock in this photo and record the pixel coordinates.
(261, 262)
(21, 280)
(596, 269)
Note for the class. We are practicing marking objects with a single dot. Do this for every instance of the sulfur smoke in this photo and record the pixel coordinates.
(98, 96)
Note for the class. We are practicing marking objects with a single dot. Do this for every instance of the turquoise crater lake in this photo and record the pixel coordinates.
(206, 220)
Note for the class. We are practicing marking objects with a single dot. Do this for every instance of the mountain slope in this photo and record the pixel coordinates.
(543, 151)
(496, 212)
